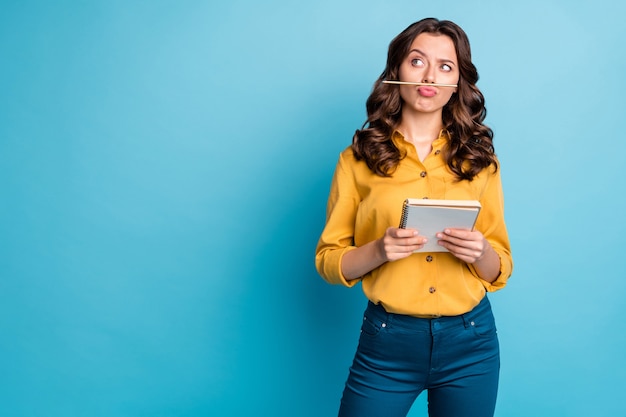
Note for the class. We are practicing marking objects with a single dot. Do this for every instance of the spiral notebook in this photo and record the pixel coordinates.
(430, 217)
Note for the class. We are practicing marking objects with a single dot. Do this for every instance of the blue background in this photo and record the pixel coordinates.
(164, 169)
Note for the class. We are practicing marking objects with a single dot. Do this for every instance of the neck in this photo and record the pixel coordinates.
(420, 128)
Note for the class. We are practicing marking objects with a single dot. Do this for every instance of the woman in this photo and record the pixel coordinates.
(428, 324)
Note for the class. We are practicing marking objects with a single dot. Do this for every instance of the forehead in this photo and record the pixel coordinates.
(435, 46)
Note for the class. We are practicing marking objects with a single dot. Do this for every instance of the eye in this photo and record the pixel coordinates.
(446, 68)
(417, 62)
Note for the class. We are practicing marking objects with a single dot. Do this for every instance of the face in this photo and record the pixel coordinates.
(431, 59)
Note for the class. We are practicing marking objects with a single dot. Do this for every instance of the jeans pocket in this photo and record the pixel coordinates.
(370, 327)
(484, 326)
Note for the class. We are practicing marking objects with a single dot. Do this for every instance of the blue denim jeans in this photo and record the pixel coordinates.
(456, 359)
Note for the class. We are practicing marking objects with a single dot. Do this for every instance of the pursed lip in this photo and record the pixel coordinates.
(427, 91)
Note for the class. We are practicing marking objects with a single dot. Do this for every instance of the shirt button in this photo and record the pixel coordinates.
(423, 174)
(432, 290)
(429, 258)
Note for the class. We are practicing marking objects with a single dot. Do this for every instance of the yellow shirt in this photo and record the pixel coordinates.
(362, 205)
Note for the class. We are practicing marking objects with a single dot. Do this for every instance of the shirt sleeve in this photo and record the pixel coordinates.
(337, 238)
(491, 223)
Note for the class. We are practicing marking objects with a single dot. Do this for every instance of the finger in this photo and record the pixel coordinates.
(401, 233)
(460, 243)
(460, 233)
(400, 252)
(404, 246)
(462, 238)
(406, 242)
(464, 253)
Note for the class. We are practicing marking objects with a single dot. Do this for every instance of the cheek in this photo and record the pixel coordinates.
(409, 73)
(446, 96)
(405, 92)
(401, 74)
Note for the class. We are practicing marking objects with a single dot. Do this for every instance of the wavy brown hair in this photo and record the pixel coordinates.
(470, 148)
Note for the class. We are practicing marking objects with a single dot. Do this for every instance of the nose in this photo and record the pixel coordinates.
(429, 74)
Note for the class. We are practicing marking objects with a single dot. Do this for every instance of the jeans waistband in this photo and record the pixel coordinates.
(417, 323)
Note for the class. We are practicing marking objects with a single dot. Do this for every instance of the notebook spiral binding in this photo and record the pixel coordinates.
(405, 214)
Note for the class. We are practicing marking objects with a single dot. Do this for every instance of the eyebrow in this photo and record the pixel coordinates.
(426, 55)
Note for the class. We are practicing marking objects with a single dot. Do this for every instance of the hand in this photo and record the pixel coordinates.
(399, 243)
(468, 246)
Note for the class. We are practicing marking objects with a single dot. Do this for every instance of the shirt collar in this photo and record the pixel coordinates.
(398, 139)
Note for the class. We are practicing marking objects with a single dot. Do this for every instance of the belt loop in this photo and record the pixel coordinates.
(466, 319)
(389, 318)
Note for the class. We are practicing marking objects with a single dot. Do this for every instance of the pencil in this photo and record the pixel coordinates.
(416, 83)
